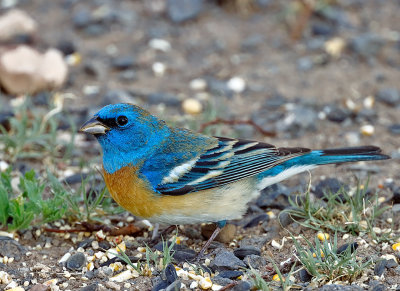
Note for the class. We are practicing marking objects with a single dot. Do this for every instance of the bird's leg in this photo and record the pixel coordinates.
(155, 231)
(220, 225)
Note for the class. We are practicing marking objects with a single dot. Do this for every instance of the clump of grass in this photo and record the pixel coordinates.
(324, 263)
(32, 134)
(341, 212)
(26, 206)
(158, 260)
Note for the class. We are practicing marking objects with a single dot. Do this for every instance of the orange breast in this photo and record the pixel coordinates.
(131, 193)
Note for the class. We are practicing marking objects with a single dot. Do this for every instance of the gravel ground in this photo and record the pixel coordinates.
(322, 78)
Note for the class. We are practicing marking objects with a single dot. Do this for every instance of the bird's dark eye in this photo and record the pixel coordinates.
(122, 120)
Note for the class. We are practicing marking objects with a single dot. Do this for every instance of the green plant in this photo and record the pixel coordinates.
(167, 254)
(323, 262)
(87, 203)
(19, 210)
(33, 134)
(342, 211)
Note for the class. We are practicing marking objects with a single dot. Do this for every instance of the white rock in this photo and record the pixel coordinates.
(236, 84)
(205, 283)
(160, 44)
(123, 276)
(159, 69)
(24, 70)
(192, 106)
(198, 84)
(16, 22)
(5, 278)
(3, 166)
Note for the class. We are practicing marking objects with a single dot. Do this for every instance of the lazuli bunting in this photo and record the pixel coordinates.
(176, 176)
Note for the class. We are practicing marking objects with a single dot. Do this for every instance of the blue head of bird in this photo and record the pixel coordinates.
(126, 133)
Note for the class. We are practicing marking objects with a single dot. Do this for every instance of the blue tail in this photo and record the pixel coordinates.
(329, 156)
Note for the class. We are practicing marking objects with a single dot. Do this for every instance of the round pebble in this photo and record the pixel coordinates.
(192, 106)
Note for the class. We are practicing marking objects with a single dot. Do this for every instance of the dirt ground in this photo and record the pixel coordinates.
(259, 45)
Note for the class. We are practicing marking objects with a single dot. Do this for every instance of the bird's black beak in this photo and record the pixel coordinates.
(95, 127)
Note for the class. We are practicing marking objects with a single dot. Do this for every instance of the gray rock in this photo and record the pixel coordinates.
(305, 64)
(389, 96)
(226, 260)
(244, 251)
(255, 261)
(304, 276)
(297, 120)
(380, 267)
(274, 196)
(123, 62)
(167, 99)
(254, 220)
(230, 274)
(337, 114)
(329, 186)
(11, 248)
(76, 262)
(221, 280)
(182, 10)
(396, 208)
(91, 287)
(81, 18)
(175, 286)
(394, 128)
(366, 45)
(335, 287)
(242, 286)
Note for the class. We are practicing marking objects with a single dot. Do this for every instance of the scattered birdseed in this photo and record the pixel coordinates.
(323, 236)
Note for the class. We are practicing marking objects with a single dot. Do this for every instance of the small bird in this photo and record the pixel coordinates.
(175, 176)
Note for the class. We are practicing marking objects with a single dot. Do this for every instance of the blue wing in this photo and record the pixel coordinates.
(229, 161)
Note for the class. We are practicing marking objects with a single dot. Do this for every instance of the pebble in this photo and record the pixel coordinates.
(304, 276)
(367, 130)
(343, 248)
(183, 10)
(11, 248)
(380, 267)
(236, 84)
(242, 286)
(160, 44)
(394, 128)
(159, 69)
(329, 186)
(40, 287)
(366, 45)
(122, 277)
(389, 96)
(255, 261)
(274, 196)
(167, 99)
(255, 220)
(230, 274)
(226, 260)
(91, 287)
(192, 106)
(16, 22)
(76, 262)
(244, 251)
(198, 84)
(123, 62)
(337, 114)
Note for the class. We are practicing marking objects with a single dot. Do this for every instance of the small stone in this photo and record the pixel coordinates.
(236, 84)
(242, 286)
(244, 251)
(123, 62)
(174, 286)
(230, 274)
(367, 130)
(337, 114)
(122, 277)
(304, 276)
(192, 106)
(184, 10)
(40, 287)
(394, 128)
(255, 220)
(76, 262)
(226, 235)
(82, 18)
(198, 84)
(329, 186)
(380, 267)
(366, 45)
(255, 261)
(205, 283)
(11, 248)
(389, 96)
(226, 260)
(91, 287)
(167, 99)
(305, 64)
(160, 44)
(343, 248)
(16, 22)
(335, 46)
